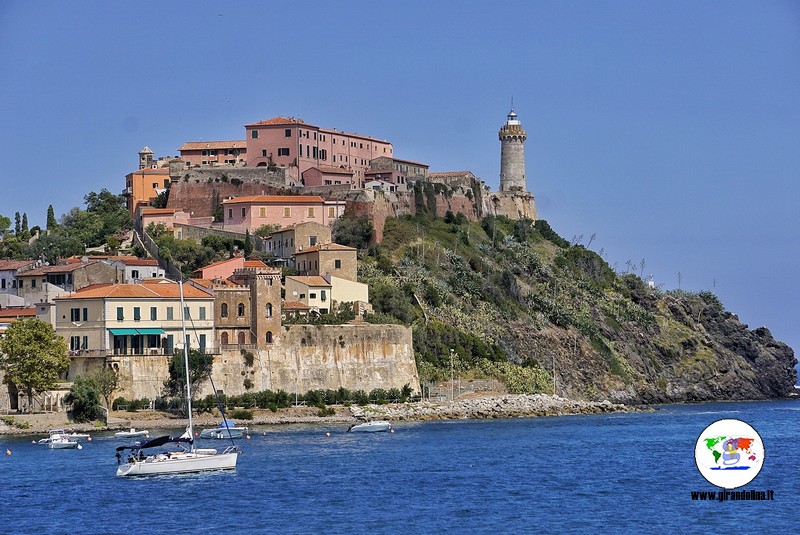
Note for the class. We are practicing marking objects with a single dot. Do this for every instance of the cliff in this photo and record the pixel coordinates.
(503, 291)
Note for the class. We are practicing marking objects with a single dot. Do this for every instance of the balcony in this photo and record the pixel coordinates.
(153, 351)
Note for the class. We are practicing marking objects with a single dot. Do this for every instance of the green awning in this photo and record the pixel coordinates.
(124, 332)
(150, 331)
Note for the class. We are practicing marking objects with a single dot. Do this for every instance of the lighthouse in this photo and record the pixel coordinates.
(512, 154)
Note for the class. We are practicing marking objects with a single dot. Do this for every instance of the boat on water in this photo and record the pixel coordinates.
(373, 426)
(60, 433)
(225, 429)
(184, 457)
(132, 433)
(62, 442)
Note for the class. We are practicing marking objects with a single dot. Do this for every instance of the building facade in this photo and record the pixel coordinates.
(328, 259)
(254, 211)
(213, 153)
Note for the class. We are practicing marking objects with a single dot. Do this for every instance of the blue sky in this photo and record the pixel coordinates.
(669, 130)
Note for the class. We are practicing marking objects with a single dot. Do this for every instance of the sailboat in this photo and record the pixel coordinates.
(187, 458)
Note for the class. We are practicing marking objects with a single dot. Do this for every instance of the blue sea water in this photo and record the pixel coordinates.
(619, 473)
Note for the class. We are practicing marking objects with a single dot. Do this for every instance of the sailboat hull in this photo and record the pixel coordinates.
(179, 464)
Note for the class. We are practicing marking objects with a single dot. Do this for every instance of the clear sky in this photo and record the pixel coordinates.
(668, 130)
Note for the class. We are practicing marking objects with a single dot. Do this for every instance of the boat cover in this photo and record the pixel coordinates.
(155, 442)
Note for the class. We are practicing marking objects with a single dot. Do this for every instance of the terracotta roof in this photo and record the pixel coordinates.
(311, 281)
(332, 170)
(201, 145)
(62, 268)
(349, 134)
(326, 247)
(163, 171)
(450, 174)
(274, 199)
(294, 305)
(7, 265)
(139, 261)
(155, 211)
(254, 264)
(17, 312)
(411, 162)
(277, 121)
(137, 291)
(217, 263)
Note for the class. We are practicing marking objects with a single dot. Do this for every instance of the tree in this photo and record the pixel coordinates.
(17, 224)
(25, 222)
(107, 381)
(199, 370)
(353, 232)
(84, 394)
(248, 244)
(33, 356)
(5, 225)
(51, 218)
(266, 230)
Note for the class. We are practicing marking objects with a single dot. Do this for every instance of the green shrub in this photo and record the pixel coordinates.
(327, 411)
(242, 414)
(85, 398)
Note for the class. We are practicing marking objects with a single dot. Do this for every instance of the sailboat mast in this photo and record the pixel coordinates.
(186, 359)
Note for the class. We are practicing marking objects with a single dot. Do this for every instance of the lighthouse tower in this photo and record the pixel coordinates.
(512, 154)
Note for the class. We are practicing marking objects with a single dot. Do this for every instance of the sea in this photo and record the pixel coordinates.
(607, 473)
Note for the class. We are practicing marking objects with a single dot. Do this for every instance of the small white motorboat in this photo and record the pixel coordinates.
(63, 443)
(373, 426)
(225, 429)
(132, 433)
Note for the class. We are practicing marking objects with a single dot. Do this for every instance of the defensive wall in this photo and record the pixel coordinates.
(304, 357)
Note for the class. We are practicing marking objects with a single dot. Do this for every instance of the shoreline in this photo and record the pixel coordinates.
(504, 406)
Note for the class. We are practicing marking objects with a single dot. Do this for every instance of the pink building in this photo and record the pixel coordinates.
(327, 176)
(290, 142)
(214, 152)
(225, 268)
(254, 211)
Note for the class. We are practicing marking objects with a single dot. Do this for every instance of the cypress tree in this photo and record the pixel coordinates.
(17, 227)
(51, 218)
(25, 222)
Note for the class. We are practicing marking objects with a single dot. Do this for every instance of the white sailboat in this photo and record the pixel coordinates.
(187, 458)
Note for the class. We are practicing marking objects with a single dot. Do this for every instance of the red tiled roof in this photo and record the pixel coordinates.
(155, 211)
(254, 264)
(294, 305)
(311, 281)
(8, 265)
(278, 121)
(325, 247)
(274, 199)
(162, 171)
(215, 264)
(137, 291)
(333, 171)
(17, 312)
(201, 145)
(411, 162)
(61, 268)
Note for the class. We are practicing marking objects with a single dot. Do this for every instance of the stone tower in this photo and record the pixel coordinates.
(145, 158)
(512, 154)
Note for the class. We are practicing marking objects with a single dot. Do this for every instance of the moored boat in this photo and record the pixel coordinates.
(373, 426)
(225, 429)
(132, 433)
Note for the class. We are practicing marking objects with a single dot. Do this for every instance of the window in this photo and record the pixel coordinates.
(134, 273)
(212, 153)
(244, 211)
(312, 295)
(254, 134)
(85, 314)
(75, 314)
(331, 212)
(269, 337)
(85, 342)
(204, 153)
(337, 264)
(137, 313)
(120, 315)
(287, 211)
(2, 284)
(169, 313)
(186, 313)
(230, 213)
(240, 310)
(310, 211)
(323, 154)
(153, 313)
(155, 185)
(223, 310)
(264, 153)
(202, 313)
(287, 132)
(269, 310)
(262, 212)
(312, 240)
(224, 339)
(169, 345)
(202, 343)
(323, 295)
(74, 343)
(283, 151)
(33, 283)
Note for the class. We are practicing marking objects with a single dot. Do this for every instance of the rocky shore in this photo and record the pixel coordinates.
(505, 406)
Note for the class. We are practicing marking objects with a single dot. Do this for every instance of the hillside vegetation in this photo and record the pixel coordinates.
(517, 302)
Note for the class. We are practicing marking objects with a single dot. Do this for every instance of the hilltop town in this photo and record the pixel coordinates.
(279, 193)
